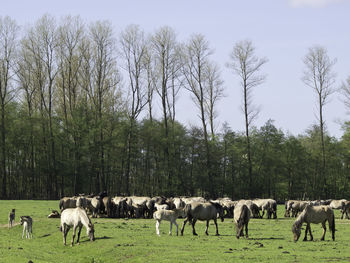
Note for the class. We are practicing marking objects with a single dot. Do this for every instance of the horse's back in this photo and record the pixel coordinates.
(203, 211)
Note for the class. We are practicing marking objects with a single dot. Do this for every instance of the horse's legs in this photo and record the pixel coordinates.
(263, 212)
(171, 227)
(311, 236)
(73, 236)
(23, 232)
(177, 228)
(157, 227)
(216, 225)
(206, 230)
(78, 239)
(324, 230)
(193, 229)
(307, 228)
(246, 230)
(64, 232)
(183, 226)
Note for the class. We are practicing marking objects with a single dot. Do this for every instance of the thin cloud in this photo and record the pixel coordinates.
(312, 3)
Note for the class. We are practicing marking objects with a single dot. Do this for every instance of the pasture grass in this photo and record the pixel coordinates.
(135, 240)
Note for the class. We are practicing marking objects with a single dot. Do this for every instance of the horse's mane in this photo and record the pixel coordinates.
(300, 220)
(217, 205)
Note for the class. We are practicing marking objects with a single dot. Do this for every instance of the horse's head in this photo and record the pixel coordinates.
(220, 210)
(296, 229)
(91, 232)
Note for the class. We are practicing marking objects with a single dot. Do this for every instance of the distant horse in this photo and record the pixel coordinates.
(241, 218)
(267, 205)
(202, 211)
(12, 217)
(340, 204)
(76, 217)
(54, 214)
(168, 215)
(315, 215)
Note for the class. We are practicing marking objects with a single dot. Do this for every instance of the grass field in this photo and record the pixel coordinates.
(120, 240)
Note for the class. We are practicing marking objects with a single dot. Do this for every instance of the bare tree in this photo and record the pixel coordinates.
(247, 65)
(101, 79)
(319, 76)
(134, 51)
(345, 90)
(215, 91)
(196, 73)
(166, 64)
(8, 44)
(71, 34)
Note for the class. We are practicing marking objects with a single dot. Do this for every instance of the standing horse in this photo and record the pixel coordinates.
(202, 211)
(315, 215)
(168, 215)
(76, 217)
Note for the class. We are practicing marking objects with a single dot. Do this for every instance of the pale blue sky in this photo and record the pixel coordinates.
(281, 30)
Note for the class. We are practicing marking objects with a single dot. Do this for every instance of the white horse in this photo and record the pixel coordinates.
(76, 217)
(168, 215)
(27, 223)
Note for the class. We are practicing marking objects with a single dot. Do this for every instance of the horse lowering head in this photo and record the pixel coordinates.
(296, 229)
(91, 232)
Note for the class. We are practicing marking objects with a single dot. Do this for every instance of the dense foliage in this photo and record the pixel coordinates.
(77, 116)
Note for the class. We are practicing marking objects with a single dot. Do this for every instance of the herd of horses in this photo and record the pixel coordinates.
(75, 210)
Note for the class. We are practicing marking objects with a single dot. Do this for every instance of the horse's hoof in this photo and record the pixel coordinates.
(195, 234)
(207, 233)
(217, 234)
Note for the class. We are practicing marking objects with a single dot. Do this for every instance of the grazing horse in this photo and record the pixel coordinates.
(168, 215)
(76, 217)
(202, 211)
(241, 218)
(315, 215)
(268, 205)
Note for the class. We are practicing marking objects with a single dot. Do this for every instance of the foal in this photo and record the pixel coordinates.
(12, 217)
(168, 215)
(27, 223)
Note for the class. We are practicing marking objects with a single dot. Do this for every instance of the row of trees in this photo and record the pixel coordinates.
(78, 111)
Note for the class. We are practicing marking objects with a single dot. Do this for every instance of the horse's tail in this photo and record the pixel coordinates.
(187, 211)
(61, 204)
(333, 226)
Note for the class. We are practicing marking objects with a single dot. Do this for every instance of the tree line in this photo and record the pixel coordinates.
(78, 107)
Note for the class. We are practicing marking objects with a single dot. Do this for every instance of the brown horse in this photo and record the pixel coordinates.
(202, 211)
(315, 215)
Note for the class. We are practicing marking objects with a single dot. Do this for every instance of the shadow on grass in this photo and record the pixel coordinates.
(267, 238)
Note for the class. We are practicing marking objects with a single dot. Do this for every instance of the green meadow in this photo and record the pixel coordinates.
(135, 240)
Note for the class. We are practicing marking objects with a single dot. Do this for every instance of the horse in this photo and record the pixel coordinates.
(315, 215)
(253, 208)
(339, 204)
(27, 223)
(296, 206)
(54, 214)
(202, 211)
(241, 219)
(76, 217)
(168, 215)
(268, 205)
(72, 202)
(12, 217)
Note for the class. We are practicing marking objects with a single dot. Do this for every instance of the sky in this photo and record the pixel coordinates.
(281, 30)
